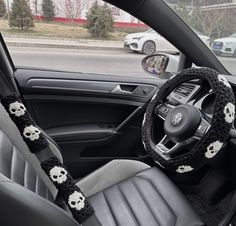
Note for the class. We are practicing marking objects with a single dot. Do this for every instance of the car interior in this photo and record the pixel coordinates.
(141, 151)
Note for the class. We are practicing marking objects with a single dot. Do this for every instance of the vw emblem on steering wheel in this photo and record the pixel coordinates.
(177, 118)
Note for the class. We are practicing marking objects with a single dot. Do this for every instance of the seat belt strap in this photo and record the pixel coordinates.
(92, 221)
(35, 139)
(59, 201)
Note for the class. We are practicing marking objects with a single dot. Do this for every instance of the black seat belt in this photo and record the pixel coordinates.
(91, 219)
(38, 144)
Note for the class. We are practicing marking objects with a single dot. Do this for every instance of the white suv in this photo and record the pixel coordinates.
(147, 42)
(150, 41)
(225, 46)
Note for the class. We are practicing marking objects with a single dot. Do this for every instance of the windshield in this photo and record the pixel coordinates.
(233, 35)
(214, 22)
(150, 31)
(198, 32)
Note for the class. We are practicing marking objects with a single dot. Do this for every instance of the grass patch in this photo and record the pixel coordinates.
(55, 30)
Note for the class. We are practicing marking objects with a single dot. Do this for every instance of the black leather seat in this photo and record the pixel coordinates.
(27, 197)
(147, 199)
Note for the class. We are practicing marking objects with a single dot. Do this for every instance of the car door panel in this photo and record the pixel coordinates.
(93, 118)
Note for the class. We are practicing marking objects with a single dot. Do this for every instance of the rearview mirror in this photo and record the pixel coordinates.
(160, 65)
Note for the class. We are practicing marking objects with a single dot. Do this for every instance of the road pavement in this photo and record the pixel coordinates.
(43, 42)
(88, 61)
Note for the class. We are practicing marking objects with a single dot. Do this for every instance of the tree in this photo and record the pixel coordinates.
(209, 22)
(73, 8)
(100, 20)
(21, 16)
(48, 9)
(3, 10)
(35, 6)
(181, 8)
(228, 27)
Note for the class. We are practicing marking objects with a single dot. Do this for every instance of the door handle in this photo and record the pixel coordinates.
(124, 89)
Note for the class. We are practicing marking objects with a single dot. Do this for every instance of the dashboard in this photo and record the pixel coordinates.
(208, 104)
(195, 93)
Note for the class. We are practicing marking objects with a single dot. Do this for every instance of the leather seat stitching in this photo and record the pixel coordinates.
(142, 177)
(145, 201)
(109, 207)
(128, 205)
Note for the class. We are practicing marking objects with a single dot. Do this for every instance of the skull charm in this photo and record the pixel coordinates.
(184, 169)
(76, 200)
(32, 133)
(213, 149)
(222, 79)
(229, 112)
(18, 109)
(58, 174)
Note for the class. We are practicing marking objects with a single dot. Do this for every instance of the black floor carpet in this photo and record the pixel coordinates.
(211, 215)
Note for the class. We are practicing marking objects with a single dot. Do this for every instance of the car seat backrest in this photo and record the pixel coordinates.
(27, 162)
(14, 166)
(18, 164)
(26, 193)
(19, 206)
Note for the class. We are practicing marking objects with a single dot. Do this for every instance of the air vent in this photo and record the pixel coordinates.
(184, 90)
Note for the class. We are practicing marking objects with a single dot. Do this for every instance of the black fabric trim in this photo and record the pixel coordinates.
(67, 188)
(24, 121)
(40, 147)
(219, 130)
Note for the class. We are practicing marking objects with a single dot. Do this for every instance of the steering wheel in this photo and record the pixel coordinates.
(187, 125)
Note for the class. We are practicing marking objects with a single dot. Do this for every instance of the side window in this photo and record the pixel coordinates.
(214, 21)
(86, 36)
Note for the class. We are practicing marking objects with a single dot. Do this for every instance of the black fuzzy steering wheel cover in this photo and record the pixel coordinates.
(218, 133)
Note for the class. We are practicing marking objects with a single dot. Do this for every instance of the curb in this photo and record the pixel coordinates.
(43, 45)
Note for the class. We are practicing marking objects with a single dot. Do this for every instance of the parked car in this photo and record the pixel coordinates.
(225, 46)
(150, 41)
(147, 42)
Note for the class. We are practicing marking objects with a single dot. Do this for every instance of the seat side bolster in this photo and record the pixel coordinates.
(22, 205)
(112, 173)
(184, 212)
